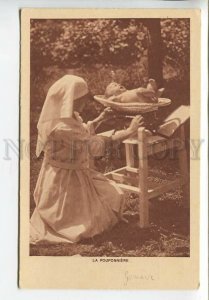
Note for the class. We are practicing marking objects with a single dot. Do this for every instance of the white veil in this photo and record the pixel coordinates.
(58, 105)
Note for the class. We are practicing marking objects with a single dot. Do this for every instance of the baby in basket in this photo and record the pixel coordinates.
(118, 93)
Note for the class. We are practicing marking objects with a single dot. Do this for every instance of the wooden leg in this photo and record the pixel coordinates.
(143, 175)
(130, 159)
(183, 165)
(129, 155)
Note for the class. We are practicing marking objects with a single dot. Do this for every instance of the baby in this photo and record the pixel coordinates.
(118, 93)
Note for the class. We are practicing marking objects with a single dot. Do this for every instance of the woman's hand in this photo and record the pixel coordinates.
(136, 123)
(107, 112)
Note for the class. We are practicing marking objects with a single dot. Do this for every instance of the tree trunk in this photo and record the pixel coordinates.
(155, 56)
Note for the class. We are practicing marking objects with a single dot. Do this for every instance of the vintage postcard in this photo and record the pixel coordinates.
(109, 178)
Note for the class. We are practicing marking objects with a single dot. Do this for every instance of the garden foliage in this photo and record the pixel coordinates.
(77, 43)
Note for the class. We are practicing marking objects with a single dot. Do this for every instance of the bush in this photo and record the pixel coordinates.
(73, 43)
(77, 43)
(176, 43)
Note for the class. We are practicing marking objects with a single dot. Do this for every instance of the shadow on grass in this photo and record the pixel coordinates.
(168, 235)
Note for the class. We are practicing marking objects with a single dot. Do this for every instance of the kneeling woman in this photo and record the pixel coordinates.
(72, 200)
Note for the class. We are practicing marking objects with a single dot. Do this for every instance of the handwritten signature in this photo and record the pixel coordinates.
(128, 277)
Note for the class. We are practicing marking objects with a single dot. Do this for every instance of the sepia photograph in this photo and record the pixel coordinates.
(109, 128)
(110, 110)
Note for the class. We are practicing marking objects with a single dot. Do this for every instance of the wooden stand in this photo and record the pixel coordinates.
(135, 180)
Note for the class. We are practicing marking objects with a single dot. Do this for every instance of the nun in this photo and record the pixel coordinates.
(73, 201)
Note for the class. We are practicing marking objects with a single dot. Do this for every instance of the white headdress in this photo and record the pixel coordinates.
(58, 105)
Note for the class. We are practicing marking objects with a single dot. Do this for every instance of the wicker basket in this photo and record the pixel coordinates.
(132, 108)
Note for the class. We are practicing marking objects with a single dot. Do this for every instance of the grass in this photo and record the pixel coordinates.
(168, 234)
